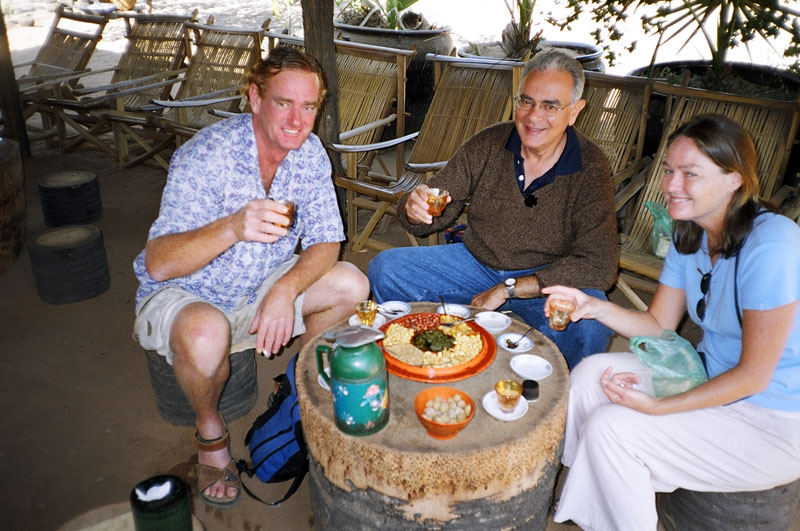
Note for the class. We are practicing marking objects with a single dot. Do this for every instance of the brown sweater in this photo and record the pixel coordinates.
(572, 229)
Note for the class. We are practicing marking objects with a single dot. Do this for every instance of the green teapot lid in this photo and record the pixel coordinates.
(354, 336)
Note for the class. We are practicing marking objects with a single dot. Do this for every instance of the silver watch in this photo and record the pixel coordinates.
(511, 283)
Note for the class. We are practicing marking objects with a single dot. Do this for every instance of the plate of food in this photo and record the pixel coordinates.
(417, 347)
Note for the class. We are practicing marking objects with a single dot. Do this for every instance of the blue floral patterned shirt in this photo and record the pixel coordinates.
(214, 175)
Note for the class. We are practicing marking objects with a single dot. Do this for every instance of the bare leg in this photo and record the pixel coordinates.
(200, 340)
(332, 298)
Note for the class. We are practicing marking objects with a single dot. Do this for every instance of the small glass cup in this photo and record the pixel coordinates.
(289, 212)
(437, 200)
(366, 310)
(560, 312)
(508, 393)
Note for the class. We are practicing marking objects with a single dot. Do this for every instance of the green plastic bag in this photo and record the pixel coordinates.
(662, 228)
(674, 362)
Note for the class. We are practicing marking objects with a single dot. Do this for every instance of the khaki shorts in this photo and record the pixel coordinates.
(154, 321)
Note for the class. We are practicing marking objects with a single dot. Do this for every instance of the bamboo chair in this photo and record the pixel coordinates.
(372, 87)
(615, 118)
(469, 95)
(155, 53)
(66, 50)
(772, 125)
(215, 76)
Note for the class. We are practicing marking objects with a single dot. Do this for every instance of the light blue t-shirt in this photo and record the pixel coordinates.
(769, 277)
(215, 174)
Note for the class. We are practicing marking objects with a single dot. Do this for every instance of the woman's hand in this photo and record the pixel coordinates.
(585, 306)
(619, 389)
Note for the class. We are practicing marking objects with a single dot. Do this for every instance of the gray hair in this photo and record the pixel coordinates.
(555, 59)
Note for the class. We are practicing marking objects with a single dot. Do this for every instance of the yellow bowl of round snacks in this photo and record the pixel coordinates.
(444, 411)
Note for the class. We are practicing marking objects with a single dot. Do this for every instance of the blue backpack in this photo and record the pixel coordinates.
(277, 447)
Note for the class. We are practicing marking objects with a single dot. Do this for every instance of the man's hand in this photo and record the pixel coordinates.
(274, 321)
(492, 298)
(258, 221)
(417, 205)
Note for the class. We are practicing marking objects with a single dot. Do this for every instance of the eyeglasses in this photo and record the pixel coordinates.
(705, 283)
(547, 109)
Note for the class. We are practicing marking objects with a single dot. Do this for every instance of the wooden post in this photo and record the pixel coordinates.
(10, 104)
(318, 30)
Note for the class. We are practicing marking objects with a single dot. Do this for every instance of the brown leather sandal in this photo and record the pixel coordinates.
(207, 475)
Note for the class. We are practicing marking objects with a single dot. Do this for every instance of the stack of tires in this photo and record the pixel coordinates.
(69, 261)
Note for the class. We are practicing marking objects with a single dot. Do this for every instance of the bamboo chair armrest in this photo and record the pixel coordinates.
(367, 127)
(376, 191)
(425, 167)
(344, 148)
(101, 101)
(631, 189)
(137, 83)
(221, 114)
(36, 83)
(201, 100)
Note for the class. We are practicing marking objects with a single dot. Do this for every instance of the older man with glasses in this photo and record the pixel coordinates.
(541, 213)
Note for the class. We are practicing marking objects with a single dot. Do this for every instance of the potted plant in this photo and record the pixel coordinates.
(518, 40)
(392, 24)
(723, 25)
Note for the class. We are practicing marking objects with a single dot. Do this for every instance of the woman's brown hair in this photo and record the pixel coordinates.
(730, 147)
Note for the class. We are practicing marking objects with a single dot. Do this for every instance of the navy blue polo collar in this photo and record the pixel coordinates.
(568, 162)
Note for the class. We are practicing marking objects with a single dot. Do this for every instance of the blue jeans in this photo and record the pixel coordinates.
(450, 271)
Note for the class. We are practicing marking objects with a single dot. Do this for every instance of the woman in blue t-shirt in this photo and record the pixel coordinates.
(740, 430)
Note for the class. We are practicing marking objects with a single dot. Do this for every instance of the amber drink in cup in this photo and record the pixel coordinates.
(366, 310)
(560, 312)
(437, 200)
(508, 393)
(289, 212)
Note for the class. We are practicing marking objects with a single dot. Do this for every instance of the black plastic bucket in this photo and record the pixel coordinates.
(173, 512)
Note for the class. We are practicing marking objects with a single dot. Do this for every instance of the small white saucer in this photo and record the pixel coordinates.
(321, 382)
(458, 310)
(524, 346)
(493, 322)
(492, 406)
(531, 367)
(397, 308)
(380, 320)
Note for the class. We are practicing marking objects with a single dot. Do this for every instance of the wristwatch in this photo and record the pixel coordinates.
(511, 283)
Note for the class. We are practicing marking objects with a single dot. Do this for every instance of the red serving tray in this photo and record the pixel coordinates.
(442, 374)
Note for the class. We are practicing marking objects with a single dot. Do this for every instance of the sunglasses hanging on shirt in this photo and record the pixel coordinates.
(531, 200)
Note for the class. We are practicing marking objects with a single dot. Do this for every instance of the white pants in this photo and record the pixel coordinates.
(619, 458)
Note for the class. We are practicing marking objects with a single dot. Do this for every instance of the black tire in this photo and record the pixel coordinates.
(70, 198)
(768, 510)
(69, 264)
(238, 396)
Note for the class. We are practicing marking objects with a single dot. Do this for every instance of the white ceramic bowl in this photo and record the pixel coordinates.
(458, 310)
(395, 309)
(493, 322)
(531, 367)
(525, 343)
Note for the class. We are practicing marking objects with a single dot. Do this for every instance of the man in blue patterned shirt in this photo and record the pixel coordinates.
(219, 272)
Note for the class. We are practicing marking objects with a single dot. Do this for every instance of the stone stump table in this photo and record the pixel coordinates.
(492, 475)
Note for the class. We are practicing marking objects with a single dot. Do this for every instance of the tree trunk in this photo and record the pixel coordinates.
(318, 30)
(9, 101)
